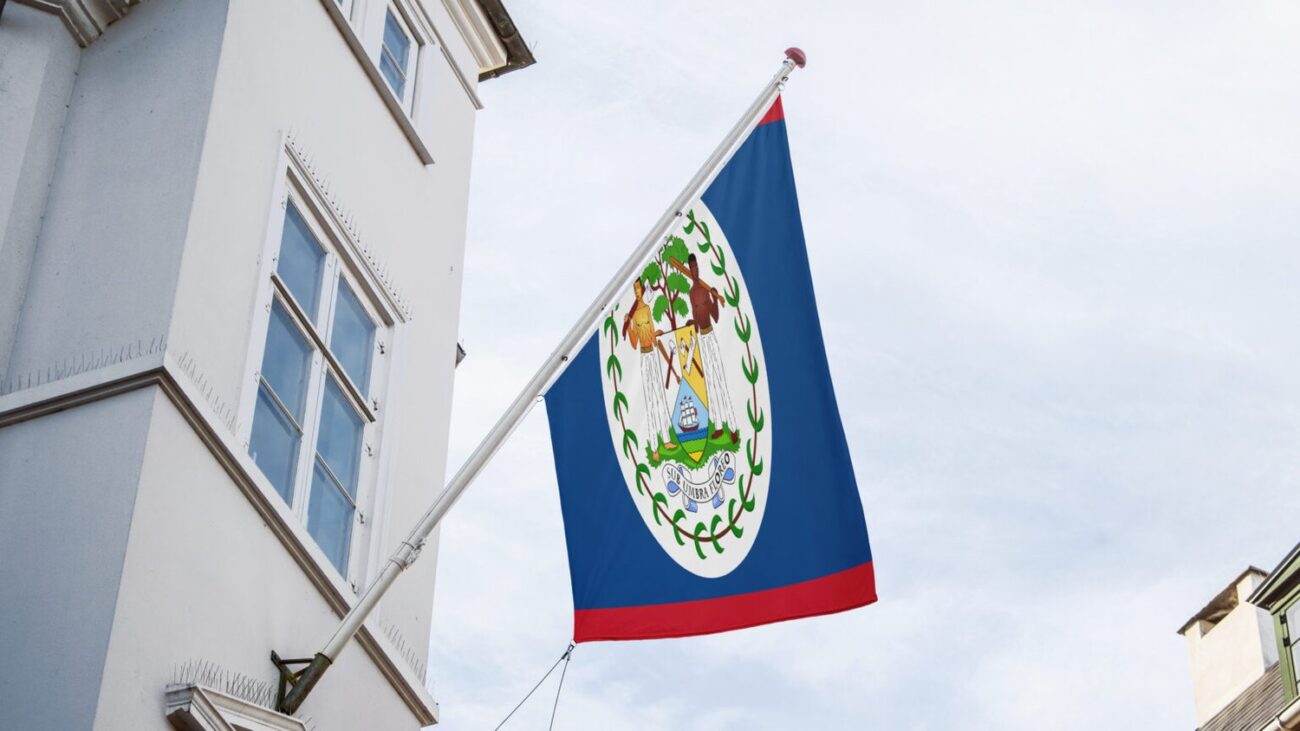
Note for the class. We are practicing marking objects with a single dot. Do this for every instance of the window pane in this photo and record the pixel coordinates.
(395, 79)
(286, 359)
(339, 443)
(301, 261)
(329, 519)
(394, 56)
(352, 340)
(274, 444)
(398, 43)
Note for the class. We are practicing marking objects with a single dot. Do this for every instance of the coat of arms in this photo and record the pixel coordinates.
(681, 351)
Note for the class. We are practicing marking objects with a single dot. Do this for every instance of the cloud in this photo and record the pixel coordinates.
(1054, 248)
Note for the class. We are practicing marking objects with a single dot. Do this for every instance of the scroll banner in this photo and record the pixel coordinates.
(705, 479)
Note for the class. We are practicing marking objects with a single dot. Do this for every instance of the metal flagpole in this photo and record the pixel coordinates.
(294, 686)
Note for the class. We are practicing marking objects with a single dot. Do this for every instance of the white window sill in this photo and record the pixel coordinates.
(386, 94)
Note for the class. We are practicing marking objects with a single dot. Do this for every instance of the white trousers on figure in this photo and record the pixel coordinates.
(656, 408)
(715, 380)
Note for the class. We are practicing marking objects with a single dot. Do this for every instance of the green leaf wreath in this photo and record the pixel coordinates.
(670, 287)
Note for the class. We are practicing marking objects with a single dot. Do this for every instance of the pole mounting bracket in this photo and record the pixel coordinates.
(294, 685)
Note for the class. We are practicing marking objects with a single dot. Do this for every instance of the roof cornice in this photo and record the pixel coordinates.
(491, 36)
(1280, 580)
(86, 20)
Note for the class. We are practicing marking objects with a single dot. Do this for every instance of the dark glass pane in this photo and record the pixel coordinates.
(352, 340)
(329, 519)
(274, 444)
(339, 443)
(301, 261)
(286, 360)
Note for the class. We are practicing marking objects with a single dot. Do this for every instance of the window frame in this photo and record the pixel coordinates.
(362, 32)
(344, 262)
(317, 329)
(419, 41)
(1288, 637)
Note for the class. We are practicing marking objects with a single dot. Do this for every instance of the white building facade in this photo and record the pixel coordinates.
(231, 236)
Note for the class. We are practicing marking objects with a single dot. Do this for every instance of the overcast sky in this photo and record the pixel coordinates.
(1056, 249)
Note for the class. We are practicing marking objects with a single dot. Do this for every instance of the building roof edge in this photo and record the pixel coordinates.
(518, 55)
(1264, 591)
(1214, 603)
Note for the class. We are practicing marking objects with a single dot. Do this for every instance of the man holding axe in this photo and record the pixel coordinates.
(705, 305)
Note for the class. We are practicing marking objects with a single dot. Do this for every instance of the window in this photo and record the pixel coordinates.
(346, 6)
(395, 54)
(314, 386)
(1292, 626)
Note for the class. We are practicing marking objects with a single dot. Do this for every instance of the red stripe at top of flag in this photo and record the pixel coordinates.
(774, 113)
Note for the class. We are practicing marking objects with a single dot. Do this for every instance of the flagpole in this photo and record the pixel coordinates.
(294, 686)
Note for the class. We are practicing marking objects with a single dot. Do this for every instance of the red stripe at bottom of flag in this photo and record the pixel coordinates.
(837, 592)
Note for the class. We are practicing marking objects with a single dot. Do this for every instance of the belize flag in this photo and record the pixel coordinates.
(704, 475)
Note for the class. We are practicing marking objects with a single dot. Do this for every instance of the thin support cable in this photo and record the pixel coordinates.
(568, 654)
(563, 658)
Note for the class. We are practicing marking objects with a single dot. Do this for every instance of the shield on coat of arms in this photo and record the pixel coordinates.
(690, 419)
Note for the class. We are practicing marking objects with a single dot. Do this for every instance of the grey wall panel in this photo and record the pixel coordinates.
(67, 492)
(38, 65)
(106, 262)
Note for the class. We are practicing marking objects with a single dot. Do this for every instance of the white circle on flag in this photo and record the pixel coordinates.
(687, 400)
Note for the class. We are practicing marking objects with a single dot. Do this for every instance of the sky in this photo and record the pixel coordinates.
(1055, 249)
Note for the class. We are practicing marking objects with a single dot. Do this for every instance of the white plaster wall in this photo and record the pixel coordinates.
(38, 64)
(285, 67)
(1230, 656)
(67, 494)
(159, 192)
(104, 270)
(205, 579)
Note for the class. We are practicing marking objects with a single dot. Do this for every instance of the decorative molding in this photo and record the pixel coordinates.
(432, 36)
(196, 708)
(86, 20)
(479, 34)
(518, 54)
(195, 405)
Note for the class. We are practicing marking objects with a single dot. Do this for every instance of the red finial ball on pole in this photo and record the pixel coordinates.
(797, 55)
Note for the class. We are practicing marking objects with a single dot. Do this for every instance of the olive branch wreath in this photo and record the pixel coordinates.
(715, 531)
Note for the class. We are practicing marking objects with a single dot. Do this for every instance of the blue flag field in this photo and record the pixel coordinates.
(705, 478)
